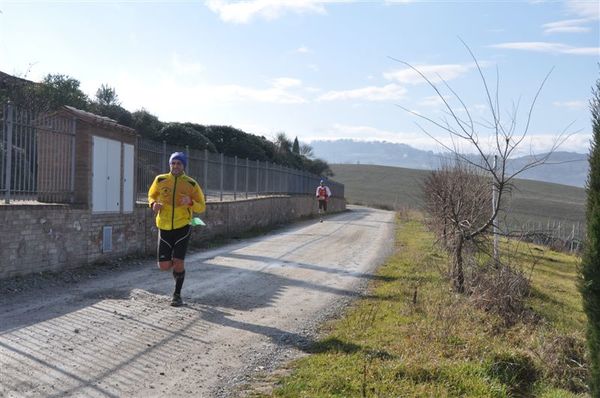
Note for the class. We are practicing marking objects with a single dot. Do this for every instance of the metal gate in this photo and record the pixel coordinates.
(37, 156)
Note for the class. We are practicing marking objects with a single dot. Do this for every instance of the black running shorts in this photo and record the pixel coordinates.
(173, 244)
(323, 205)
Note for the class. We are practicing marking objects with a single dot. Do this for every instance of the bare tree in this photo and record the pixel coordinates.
(457, 198)
(306, 150)
(507, 136)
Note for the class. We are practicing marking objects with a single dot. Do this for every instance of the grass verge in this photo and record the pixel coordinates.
(412, 337)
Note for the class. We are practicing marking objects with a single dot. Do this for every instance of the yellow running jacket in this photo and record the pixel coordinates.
(169, 190)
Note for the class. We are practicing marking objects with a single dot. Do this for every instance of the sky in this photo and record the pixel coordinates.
(325, 70)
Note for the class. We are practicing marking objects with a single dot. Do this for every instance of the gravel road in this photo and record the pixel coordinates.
(250, 306)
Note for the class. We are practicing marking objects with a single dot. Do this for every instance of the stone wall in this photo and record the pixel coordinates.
(43, 237)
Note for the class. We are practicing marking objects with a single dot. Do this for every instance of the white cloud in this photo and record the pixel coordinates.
(435, 101)
(431, 101)
(571, 104)
(371, 93)
(302, 50)
(547, 47)
(182, 67)
(581, 8)
(579, 142)
(588, 9)
(245, 11)
(435, 73)
(277, 93)
(312, 89)
(177, 99)
(286, 82)
(542, 143)
(481, 108)
(567, 26)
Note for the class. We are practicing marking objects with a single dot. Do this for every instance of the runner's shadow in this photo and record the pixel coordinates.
(244, 289)
(277, 336)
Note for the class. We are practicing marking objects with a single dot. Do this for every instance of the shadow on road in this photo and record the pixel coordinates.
(101, 336)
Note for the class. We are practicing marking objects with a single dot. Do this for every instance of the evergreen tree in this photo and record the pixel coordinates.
(296, 146)
(107, 96)
(590, 269)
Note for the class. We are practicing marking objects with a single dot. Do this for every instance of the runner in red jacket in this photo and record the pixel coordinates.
(323, 193)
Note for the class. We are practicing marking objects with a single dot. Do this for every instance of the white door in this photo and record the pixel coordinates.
(106, 180)
(99, 174)
(113, 181)
(128, 198)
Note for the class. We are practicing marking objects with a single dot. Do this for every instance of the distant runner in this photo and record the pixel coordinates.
(323, 193)
(174, 197)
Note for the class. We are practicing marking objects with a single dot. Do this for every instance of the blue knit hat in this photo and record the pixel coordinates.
(179, 156)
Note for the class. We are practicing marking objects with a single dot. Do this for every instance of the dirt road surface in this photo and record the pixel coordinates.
(250, 306)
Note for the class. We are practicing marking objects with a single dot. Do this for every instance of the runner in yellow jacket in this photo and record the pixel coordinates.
(175, 197)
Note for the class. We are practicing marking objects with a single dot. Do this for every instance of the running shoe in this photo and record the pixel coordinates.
(177, 301)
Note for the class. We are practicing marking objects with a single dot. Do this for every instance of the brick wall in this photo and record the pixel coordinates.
(37, 238)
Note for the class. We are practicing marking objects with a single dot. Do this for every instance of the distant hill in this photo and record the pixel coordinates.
(568, 168)
(374, 152)
(530, 202)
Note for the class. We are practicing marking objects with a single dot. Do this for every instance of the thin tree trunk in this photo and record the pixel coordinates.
(458, 275)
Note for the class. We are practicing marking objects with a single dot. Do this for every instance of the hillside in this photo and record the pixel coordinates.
(395, 187)
(568, 168)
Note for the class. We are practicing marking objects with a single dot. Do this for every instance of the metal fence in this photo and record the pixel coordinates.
(37, 156)
(225, 178)
(561, 235)
(37, 163)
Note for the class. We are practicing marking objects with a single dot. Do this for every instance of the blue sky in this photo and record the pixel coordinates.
(319, 69)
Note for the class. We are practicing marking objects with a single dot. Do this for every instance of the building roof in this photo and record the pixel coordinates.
(92, 118)
(7, 79)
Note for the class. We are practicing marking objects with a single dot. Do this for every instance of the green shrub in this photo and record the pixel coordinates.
(515, 370)
(177, 133)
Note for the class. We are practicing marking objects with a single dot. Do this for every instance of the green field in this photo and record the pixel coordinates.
(533, 202)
